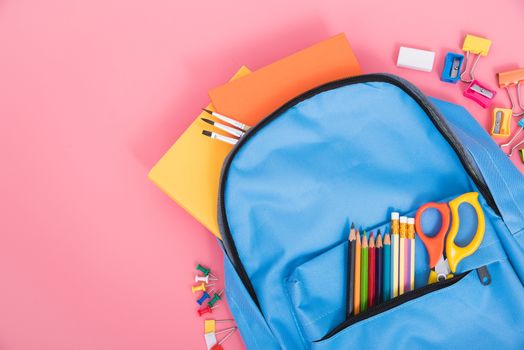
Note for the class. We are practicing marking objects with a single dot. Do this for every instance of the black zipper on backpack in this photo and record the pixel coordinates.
(392, 303)
(412, 91)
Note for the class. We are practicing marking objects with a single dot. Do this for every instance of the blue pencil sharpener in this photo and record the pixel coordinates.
(452, 67)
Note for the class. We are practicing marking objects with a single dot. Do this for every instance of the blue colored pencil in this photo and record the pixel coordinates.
(386, 273)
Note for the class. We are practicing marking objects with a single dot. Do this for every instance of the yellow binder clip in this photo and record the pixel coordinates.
(475, 45)
(510, 78)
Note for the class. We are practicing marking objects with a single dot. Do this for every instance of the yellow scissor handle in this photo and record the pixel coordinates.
(454, 253)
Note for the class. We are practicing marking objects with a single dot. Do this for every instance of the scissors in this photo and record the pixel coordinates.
(443, 262)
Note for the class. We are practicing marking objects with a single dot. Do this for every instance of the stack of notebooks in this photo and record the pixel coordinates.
(190, 170)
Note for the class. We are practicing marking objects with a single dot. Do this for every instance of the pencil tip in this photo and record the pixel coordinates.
(208, 121)
(351, 235)
(352, 225)
(207, 133)
(207, 111)
(364, 241)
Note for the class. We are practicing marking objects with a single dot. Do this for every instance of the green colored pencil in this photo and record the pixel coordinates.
(364, 273)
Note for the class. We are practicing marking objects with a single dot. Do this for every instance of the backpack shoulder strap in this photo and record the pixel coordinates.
(505, 181)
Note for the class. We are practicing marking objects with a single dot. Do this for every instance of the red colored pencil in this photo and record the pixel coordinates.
(371, 271)
(379, 252)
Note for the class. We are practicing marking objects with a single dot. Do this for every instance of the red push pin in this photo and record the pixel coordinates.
(205, 310)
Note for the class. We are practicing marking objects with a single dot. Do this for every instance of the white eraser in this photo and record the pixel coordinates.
(394, 215)
(415, 59)
(403, 219)
(411, 221)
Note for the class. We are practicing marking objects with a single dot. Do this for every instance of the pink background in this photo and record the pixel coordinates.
(92, 93)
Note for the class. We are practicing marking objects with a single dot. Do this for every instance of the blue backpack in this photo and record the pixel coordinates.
(353, 150)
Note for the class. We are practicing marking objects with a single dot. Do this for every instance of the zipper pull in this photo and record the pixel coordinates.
(484, 276)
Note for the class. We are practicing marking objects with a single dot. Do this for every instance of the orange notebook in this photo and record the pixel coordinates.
(190, 171)
(256, 95)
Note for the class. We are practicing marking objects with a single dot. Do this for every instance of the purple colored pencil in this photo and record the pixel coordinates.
(410, 251)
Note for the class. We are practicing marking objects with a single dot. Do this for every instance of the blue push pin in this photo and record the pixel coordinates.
(203, 298)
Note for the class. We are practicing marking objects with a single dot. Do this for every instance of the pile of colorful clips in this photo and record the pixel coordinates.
(456, 68)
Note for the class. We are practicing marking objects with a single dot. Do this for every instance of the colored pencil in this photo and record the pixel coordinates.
(364, 273)
(356, 290)
(379, 253)
(371, 270)
(407, 266)
(411, 236)
(394, 253)
(350, 283)
(403, 230)
(413, 259)
(386, 295)
(407, 261)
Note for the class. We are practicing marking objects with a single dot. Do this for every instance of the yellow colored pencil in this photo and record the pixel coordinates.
(394, 253)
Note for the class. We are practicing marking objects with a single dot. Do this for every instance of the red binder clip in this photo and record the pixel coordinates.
(480, 93)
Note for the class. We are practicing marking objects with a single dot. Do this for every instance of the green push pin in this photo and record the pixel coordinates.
(216, 298)
(203, 269)
(206, 271)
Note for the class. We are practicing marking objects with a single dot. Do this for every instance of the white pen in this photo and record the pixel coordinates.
(226, 128)
(228, 120)
(219, 137)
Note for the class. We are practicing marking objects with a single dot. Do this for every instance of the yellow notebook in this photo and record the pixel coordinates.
(190, 171)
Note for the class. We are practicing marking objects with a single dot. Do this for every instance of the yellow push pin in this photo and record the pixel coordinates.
(200, 287)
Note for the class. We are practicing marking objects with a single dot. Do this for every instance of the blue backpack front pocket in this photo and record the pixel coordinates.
(316, 289)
